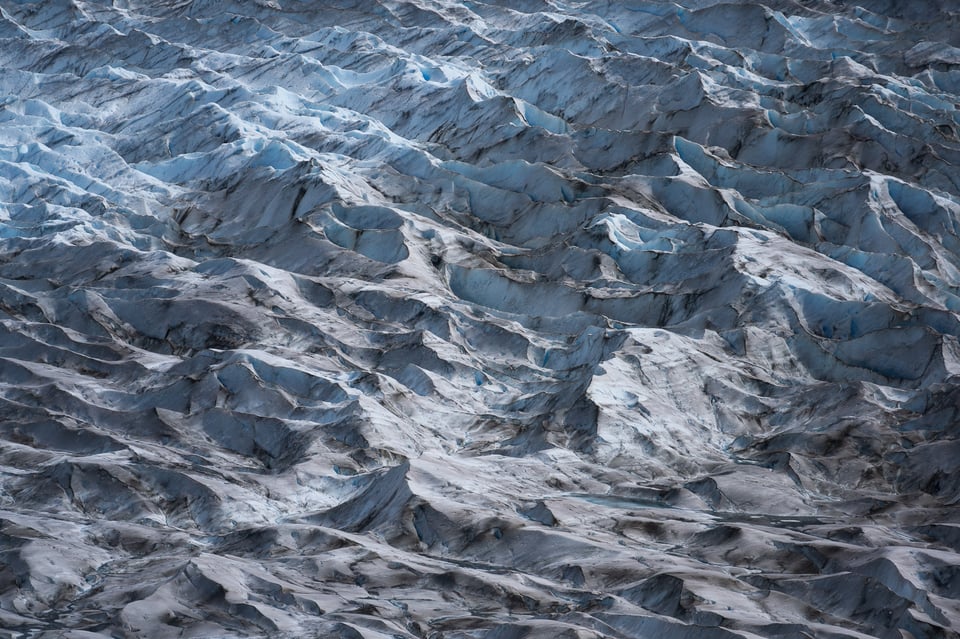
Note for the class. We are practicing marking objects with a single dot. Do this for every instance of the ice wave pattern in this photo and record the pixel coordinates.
(420, 318)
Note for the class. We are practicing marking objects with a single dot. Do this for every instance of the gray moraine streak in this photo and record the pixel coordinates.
(541, 319)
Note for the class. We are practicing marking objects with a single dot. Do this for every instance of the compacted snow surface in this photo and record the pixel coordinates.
(422, 318)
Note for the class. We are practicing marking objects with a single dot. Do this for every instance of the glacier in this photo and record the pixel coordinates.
(461, 320)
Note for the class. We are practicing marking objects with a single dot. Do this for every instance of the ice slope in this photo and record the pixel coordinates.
(421, 318)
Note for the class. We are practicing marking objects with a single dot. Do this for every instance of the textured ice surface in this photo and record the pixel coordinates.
(419, 318)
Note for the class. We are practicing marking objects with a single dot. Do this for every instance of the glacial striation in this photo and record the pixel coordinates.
(463, 320)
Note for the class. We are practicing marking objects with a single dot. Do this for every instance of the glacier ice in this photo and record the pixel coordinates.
(423, 318)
